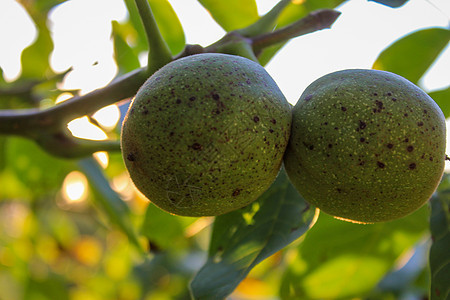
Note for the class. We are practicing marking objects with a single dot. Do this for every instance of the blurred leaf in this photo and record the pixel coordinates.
(171, 268)
(13, 188)
(124, 55)
(292, 13)
(232, 14)
(61, 227)
(42, 6)
(108, 200)
(442, 98)
(403, 280)
(412, 55)
(136, 30)
(391, 3)
(164, 231)
(299, 9)
(168, 24)
(342, 260)
(35, 58)
(41, 172)
(2, 153)
(440, 233)
(52, 286)
(243, 238)
(2, 78)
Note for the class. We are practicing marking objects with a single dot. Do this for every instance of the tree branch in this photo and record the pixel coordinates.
(317, 20)
(63, 144)
(31, 122)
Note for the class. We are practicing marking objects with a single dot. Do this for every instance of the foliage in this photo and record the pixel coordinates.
(114, 245)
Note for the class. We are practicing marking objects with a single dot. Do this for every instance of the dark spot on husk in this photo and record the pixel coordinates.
(236, 192)
(197, 146)
(380, 164)
(379, 105)
(412, 166)
(362, 124)
(131, 157)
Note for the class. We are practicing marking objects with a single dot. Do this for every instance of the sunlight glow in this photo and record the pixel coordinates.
(74, 187)
(197, 226)
(84, 129)
(102, 157)
(63, 97)
(107, 117)
(298, 2)
(123, 186)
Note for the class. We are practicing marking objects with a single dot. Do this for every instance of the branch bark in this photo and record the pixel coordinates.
(317, 20)
(31, 122)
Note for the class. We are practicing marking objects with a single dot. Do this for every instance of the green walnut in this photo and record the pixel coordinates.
(366, 146)
(206, 134)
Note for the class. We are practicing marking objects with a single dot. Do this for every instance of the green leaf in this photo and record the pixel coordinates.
(342, 260)
(442, 98)
(169, 25)
(243, 238)
(2, 78)
(124, 55)
(299, 9)
(412, 55)
(164, 230)
(108, 200)
(167, 21)
(42, 6)
(391, 3)
(52, 286)
(3, 158)
(35, 58)
(439, 258)
(292, 13)
(232, 14)
(39, 171)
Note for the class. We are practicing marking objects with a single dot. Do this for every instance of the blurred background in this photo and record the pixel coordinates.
(55, 242)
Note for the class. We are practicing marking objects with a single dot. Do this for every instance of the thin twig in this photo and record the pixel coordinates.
(63, 144)
(317, 20)
(31, 122)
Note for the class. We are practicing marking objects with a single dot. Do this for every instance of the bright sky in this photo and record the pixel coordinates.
(82, 40)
